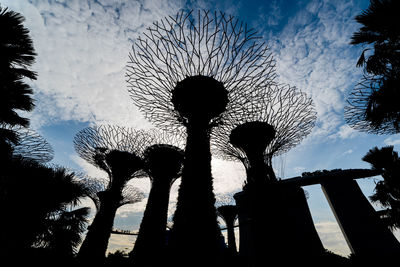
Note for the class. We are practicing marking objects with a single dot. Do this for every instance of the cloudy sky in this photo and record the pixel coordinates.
(83, 48)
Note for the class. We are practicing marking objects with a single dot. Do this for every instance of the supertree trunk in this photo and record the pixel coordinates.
(229, 214)
(195, 221)
(94, 247)
(231, 236)
(163, 163)
(151, 241)
(117, 151)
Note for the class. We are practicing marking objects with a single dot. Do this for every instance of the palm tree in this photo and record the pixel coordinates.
(16, 56)
(32, 195)
(373, 105)
(387, 192)
(64, 232)
(380, 28)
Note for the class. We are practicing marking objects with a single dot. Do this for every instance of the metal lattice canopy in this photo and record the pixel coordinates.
(159, 137)
(93, 140)
(197, 43)
(287, 109)
(365, 100)
(32, 145)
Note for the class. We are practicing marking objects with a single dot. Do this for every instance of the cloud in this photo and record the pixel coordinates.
(271, 14)
(392, 140)
(82, 49)
(347, 152)
(346, 132)
(299, 170)
(332, 237)
(121, 242)
(313, 53)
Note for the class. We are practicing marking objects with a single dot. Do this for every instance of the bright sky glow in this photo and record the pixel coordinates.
(83, 48)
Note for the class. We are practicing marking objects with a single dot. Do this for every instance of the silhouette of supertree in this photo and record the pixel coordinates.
(229, 214)
(287, 116)
(117, 151)
(31, 145)
(189, 74)
(163, 162)
(228, 211)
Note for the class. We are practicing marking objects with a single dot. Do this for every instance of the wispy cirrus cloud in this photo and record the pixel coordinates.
(313, 53)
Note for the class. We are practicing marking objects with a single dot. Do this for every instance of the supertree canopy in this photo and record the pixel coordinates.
(118, 151)
(31, 145)
(130, 194)
(287, 116)
(197, 44)
(163, 163)
(93, 143)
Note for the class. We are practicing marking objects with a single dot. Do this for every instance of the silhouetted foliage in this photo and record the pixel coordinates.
(379, 27)
(34, 199)
(64, 232)
(387, 192)
(117, 151)
(373, 105)
(16, 56)
(163, 163)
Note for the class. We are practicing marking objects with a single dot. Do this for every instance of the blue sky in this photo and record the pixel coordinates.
(83, 49)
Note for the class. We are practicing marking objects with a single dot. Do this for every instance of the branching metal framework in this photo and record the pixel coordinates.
(162, 142)
(359, 103)
(224, 200)
(202, 43)
(95, 140)
(130, 194)
(291, 113)
(32, 145)
(159, 137)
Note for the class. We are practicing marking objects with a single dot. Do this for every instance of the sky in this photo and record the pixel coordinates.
(83, 49)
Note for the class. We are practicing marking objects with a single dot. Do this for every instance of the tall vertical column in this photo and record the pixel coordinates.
(275, 226)
(363, 230)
